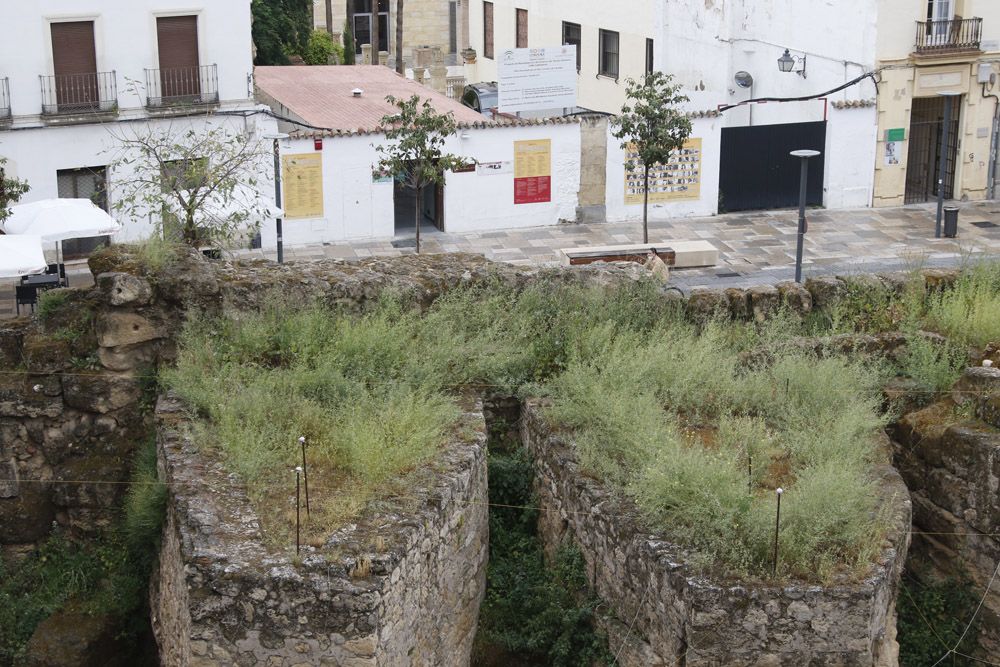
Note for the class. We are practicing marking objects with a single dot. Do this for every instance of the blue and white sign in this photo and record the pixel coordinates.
(537, 79)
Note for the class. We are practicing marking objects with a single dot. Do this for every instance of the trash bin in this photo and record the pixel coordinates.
(951, 221)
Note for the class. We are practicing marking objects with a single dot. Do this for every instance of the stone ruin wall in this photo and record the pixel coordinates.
(87, 426)
(398, 586)
(663, 612)
(951, 465)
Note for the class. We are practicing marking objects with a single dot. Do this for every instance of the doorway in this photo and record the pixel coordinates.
(431, 208)
(923, 161)
(87, 183)
(363, 24)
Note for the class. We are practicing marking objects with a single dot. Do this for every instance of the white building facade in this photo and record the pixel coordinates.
(722, 52)
(77, 74)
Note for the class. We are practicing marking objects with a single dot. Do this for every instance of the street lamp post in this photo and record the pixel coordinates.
(276, 137)
(804, 156)
(943, 167)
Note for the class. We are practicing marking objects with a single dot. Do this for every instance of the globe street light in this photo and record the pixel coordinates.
(804, 155)
(276, 137)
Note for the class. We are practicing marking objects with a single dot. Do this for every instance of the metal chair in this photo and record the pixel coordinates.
(58, 270)
(25, 295)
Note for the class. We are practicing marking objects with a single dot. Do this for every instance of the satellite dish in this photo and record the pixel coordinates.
(743, 79)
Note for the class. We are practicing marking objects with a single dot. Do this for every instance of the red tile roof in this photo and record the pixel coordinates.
(321, 95)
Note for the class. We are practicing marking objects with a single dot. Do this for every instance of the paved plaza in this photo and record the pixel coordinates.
(756, 247)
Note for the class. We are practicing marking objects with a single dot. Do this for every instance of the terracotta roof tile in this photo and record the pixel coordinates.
(321, 95)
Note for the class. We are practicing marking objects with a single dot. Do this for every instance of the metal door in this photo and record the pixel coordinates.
(757, 172)
(923, 158)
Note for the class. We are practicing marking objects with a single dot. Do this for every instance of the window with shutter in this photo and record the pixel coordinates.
(177, 45)
(521, 38)
(488, 30)
(74, 62)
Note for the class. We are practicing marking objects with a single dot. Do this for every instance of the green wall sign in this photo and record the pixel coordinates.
(896, 134)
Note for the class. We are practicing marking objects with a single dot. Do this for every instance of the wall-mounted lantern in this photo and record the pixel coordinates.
(786, 63)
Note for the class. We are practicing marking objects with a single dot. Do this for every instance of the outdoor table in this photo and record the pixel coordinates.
(42, 280)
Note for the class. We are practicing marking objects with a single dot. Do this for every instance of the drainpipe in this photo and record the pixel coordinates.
(994, 146)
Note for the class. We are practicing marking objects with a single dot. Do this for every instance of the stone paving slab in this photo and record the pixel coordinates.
(758, 247)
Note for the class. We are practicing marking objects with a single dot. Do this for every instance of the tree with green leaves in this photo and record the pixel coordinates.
(280, 28)
(203, 183)
(349, 54)
(416, 156)
(653, 126)
(11, 190)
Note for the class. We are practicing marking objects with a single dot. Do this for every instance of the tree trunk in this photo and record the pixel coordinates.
(375, 38)
(190, 229)
(329, 16)
(645, 205)
(400, 67)
(418, 215)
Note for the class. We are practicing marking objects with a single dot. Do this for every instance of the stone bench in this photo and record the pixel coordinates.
(677, 254)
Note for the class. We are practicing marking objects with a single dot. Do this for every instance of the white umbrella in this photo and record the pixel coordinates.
(21, 255)
(60, 219)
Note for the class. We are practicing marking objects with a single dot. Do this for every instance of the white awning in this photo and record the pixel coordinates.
(21, 255)
(60, 219)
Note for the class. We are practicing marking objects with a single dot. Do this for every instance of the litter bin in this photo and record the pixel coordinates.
(951, 221)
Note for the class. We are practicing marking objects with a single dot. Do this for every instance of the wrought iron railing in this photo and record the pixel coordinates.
(945, 36)
(95, 92)
(4, 99)
(180, 86)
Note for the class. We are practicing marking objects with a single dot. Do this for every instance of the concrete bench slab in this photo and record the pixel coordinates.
(678, 254)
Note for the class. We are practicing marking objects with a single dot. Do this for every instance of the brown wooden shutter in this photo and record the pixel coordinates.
(177, 43)
(521, 36)
(488, 30)
(74, 63)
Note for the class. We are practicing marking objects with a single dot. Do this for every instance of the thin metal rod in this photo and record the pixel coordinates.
(298, 533)
(749, 473)
(943, 167)
(777, 525)
(803, 180)
(305, 472)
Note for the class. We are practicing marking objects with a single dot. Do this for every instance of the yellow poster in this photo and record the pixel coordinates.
(532, 171)
(302, 185)
(678, 179)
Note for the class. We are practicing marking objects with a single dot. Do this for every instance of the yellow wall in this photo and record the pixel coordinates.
(906, 76)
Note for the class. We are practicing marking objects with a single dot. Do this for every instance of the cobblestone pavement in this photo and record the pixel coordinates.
(757, 247)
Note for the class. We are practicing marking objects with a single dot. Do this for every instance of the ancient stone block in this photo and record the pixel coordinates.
(125, 289)
(704, 304)
(739, 303)
(73, 638)
(764, 301)
(795, 297)
(100, 393)
(28, 516)
(119, 329)
(826, 291)
(976, 381)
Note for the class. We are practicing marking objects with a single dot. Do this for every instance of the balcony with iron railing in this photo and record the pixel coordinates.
(949, 37)
(4, 100)
(79, 94)
(182, 87)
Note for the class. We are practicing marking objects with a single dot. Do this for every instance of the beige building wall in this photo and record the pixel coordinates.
(545, 23)
(425, 23)
(908, 75)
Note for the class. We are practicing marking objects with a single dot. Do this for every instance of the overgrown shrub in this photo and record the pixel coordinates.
(319, 48)
(932, 616)
(969, 312)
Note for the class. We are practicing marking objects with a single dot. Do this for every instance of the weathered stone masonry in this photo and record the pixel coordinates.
(664, 613)
(394, 588)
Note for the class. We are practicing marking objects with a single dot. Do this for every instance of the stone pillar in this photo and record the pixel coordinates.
(366, 54)
(439, 78)
(383, 57)
(591, 205)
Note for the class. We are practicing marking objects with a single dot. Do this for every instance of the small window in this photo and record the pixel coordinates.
(521, 36)
(649, 56)
(572, 35)
(488, 30)
(609, 54)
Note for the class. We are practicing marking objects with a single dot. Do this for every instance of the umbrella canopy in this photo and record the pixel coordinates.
(21, 255)
(60, 219)
(242, 199)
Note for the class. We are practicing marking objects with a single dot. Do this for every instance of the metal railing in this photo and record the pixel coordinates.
(946, 36)
(95, 92)
(454, 85)
(181, 86)
(4, 99)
